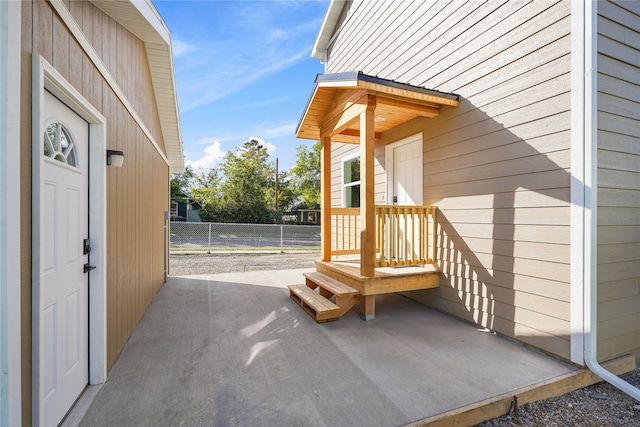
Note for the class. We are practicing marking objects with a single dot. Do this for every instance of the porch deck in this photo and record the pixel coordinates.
(233, 349)
(385, 280)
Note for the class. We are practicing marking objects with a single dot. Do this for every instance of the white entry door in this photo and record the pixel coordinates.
(407, 173)
(64, 288)
(407, 186)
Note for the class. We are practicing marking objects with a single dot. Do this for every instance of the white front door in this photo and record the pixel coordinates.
(64, 289)
(407, 173)
(406, 187)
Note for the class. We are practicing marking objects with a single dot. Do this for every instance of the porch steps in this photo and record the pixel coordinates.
(315, 297)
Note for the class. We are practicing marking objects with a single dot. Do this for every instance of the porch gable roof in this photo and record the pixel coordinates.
(338, 97)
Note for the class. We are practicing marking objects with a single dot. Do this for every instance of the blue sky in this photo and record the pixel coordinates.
(243, 71)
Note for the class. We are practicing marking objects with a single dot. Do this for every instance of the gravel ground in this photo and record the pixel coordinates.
(598, 405)
(229, 262)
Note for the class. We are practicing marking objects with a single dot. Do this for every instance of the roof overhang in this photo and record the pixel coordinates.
(338, 99)
(327, 30)
(143, 20)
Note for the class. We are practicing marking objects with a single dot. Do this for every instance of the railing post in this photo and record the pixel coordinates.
(434, 228)
(367, 209)
(325, 191)
(209, 251)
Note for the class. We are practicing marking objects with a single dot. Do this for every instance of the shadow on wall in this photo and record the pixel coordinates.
(504, 221)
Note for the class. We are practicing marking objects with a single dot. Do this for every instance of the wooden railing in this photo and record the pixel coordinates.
(345, 231)
(405, 235)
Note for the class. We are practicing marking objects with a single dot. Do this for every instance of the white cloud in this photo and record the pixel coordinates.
(181, 48)
(213, 154)
(269, 146)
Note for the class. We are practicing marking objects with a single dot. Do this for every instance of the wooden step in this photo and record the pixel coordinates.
(317, 306)
(332, 285)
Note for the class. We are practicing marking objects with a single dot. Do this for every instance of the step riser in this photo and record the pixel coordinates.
(324, 290)
(310, 311)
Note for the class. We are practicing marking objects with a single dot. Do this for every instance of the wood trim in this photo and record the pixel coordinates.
(382, 89)
(499, 405)
(356, 134)
(414, 107)
(344, 118)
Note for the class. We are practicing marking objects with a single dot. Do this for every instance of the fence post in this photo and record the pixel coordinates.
(209, 251)
(281, 241)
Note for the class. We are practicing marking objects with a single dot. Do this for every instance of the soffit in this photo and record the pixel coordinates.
(328, 111)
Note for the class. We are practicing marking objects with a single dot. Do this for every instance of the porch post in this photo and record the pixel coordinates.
(367, 208)
(325, 202)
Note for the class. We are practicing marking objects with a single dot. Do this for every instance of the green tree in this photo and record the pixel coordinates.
(305, 175)
(286, 192)
(206, 191)
(180, 185)
(246, 192)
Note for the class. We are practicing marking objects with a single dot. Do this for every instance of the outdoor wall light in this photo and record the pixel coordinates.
(115, 158)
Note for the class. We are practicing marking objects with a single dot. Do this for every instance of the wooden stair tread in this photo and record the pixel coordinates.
(336, 287)
(320, 308)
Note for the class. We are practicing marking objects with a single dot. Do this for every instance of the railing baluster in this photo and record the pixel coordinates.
(405, 235)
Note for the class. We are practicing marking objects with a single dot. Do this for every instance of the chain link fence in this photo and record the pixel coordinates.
(206, 236)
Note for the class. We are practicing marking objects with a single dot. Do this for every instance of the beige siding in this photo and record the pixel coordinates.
(498, 165)
(618, 179)
(137, 193)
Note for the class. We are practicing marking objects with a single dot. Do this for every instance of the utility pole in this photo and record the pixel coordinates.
(276, 186)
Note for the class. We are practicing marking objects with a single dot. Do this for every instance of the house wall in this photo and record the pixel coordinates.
(135, 244)
(618, 179)
(497, 166)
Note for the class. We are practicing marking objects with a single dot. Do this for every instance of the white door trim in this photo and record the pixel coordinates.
(44, 76)
(10, 279)
(389, 161)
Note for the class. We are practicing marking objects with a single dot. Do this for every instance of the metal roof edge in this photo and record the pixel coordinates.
(360, 76)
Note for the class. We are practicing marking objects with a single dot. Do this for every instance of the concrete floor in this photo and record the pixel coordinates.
(234, 350)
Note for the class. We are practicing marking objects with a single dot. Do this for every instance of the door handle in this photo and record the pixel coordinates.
(88, 268)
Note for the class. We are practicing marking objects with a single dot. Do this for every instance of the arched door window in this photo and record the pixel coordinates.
(58, 145)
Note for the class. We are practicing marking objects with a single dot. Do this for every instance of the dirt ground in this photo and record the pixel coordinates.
(600, 405)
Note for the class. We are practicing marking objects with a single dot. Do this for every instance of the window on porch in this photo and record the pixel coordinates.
(351, 182)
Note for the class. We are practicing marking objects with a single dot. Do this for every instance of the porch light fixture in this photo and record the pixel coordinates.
(379, 119)
(115, 158)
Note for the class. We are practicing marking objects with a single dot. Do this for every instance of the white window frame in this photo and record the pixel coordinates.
(343, 186)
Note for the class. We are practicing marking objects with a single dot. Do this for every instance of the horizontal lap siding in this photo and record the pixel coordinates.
(497, 166)
(618, 179)
(137, 193)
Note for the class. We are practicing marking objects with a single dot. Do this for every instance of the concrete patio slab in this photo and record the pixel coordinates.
(233, 349)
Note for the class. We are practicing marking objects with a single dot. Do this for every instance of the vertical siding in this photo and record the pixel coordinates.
(618, 179)
(498, 165)
(137, 193)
